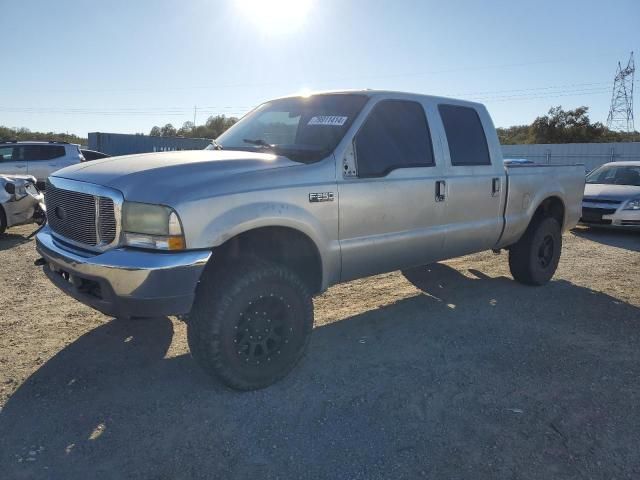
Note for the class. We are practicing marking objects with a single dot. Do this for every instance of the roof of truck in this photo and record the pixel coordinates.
(35, 142)
(380, 93)
(626, 163)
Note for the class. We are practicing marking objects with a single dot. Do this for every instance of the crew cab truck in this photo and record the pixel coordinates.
(302, 193)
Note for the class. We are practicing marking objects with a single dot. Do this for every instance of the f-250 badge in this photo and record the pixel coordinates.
(321, 197)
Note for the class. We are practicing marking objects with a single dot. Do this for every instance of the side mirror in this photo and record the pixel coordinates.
(10, 188)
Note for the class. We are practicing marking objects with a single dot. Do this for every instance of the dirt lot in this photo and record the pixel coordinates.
(448, 371)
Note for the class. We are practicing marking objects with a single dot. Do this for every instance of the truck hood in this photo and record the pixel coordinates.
(183, 168)
(602, 191)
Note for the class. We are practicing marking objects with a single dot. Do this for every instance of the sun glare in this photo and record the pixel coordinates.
(276, 16)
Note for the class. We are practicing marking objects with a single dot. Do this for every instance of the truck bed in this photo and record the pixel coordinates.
(529, 184)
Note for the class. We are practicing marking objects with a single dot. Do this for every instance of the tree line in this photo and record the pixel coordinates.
(557, 126)
(563, 126)
(212, 128)
(24, 134)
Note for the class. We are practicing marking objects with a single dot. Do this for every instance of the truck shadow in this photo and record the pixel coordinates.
(9, 240)
(472, 370)
(629, 240)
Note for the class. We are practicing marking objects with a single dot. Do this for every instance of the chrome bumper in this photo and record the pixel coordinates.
(124, 282)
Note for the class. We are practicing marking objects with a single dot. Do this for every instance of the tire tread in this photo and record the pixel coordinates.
(520, 253)
(214, 297)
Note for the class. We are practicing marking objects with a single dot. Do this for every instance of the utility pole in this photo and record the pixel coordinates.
(621, 112)
(195, 111)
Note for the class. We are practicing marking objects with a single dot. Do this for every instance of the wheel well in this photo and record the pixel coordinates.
(551, 207)
(282, 245)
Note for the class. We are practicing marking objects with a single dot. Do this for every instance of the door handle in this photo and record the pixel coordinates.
(495, 187)
(21, 166)
(441, 187)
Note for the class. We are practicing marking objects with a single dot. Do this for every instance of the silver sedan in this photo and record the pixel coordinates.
(612, 196)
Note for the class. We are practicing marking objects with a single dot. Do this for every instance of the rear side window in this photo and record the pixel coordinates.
(395, 135)
(465, 135)
(6, 154)
(43, 152)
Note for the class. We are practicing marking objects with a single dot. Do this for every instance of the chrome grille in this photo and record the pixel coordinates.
(107, 220)
(72, 215)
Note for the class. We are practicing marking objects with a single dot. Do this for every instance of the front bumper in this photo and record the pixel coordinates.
(124, 282)
(609, 214)
(609, 217)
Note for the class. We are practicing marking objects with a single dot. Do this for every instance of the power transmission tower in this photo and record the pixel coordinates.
(621, 112)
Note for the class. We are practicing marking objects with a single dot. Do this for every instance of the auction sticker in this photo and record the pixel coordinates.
(331, 120)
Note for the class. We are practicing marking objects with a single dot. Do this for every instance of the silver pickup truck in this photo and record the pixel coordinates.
(301, 194)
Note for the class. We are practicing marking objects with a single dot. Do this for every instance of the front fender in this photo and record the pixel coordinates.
(319, 225)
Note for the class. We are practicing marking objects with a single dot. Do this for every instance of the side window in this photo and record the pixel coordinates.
(43, 152)
(394, 135)
(6, 154)
(465, 135)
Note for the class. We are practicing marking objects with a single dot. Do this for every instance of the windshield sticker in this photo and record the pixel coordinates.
(331, 120)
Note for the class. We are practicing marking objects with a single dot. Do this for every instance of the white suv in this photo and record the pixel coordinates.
(39, 159)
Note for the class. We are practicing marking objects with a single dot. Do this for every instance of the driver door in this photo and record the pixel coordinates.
(389, 215)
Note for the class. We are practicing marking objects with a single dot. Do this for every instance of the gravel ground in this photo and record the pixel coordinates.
(448, 371)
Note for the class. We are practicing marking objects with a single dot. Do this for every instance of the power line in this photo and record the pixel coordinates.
(532, 93)
(313, 80)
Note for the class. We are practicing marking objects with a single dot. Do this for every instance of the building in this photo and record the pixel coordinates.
(125, 144)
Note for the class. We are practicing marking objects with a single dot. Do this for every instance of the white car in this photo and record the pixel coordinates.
(38, 159)
(612, 196)
(20, 202)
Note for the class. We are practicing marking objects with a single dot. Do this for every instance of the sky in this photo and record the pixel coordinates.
(127, 65)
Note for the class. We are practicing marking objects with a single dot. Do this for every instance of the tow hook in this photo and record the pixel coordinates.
(40, 262)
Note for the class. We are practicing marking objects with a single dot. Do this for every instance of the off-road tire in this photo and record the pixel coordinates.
(533, 260)
(251, 298)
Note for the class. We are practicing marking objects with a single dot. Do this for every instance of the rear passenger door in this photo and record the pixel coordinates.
(474, 184)
(44, 159)
(389, 218)
(12, 160)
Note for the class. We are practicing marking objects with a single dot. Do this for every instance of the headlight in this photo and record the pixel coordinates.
(151, 226)
(633, 204)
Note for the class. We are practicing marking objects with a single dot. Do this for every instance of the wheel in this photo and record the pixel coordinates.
(534, 259)
(3, 221)
(250, 323)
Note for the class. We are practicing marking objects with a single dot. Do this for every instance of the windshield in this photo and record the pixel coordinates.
(616, 175)
(304, 129)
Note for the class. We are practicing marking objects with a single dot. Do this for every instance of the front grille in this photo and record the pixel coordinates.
(598, 200)
(630, 223)
(595, 221)
(72, 215)
(588, 211)
(107, 220)
(594, 215)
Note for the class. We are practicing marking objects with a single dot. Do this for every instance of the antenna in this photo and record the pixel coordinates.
(621, 112)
